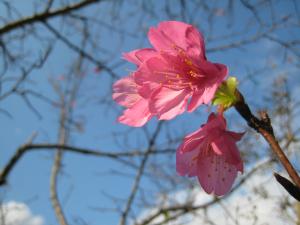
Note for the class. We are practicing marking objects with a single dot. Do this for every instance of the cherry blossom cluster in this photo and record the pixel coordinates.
(173, 77)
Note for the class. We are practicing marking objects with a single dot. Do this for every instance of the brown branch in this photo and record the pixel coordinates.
(44, 16)
(264, 127)
(72, 149)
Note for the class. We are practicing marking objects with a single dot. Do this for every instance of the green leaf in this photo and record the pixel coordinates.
(225, 95)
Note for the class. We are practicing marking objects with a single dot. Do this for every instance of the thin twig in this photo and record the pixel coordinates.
(79, 50)
(138, 177)
(68, 148)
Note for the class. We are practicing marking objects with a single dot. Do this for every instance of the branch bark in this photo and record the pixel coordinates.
(264, 127)
(44, 16)
(62, 139)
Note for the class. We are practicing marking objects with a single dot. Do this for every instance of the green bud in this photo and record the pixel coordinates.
(225, 96)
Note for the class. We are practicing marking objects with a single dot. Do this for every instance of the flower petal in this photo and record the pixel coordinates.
(140, 55)
(147, 89)
(137, 115)
(171, 35)
(168, 103)
(158, 70)
(209, 92)
(168, 34)
(225, 146)
(186, 163)
(216, 72)
(215, 175)
(125, 92)
(195, 43)
(216, 121)
(236, 136)
(190, 144)
(196, 100)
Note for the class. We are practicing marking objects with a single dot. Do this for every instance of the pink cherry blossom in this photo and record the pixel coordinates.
(211, 154)
(184, 77)
(172, 77)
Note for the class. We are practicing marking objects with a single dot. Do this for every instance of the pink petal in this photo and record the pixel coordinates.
(215, 175)
(209, 92)
(195, 43)
(147, 89)
(235, 136)
(190, 144)
(196, 100)
(168, 103)
(205, 95)
(214, 125)
(157, 70)
(140, 55)
(145, 54)
(125, 92)
(147, 72)
(170, 35)
(174, 111)
(225, 146)
(186, 163)
(222, 71)
(216, 71)
(196, 133)
(137, 115)
(216, 121)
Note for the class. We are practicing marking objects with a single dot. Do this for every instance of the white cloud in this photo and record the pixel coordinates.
(17, 213)
(258, 201)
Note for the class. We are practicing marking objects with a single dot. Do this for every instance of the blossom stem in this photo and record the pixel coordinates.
(264, 127)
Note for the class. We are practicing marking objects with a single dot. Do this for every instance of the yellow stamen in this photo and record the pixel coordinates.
(188, 62)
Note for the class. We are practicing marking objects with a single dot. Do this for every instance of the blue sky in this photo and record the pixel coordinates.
(84, 178)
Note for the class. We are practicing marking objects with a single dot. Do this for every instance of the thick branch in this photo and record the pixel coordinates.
(264, 127)
(44, 16)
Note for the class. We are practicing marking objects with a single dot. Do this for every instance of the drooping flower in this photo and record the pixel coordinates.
(174, 75)
(211, 154)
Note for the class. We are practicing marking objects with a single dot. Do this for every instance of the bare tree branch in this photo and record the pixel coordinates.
(139, 175)
(77, 49)
(264, 127)
(45, 16)
(63, 136)
(72, 149)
